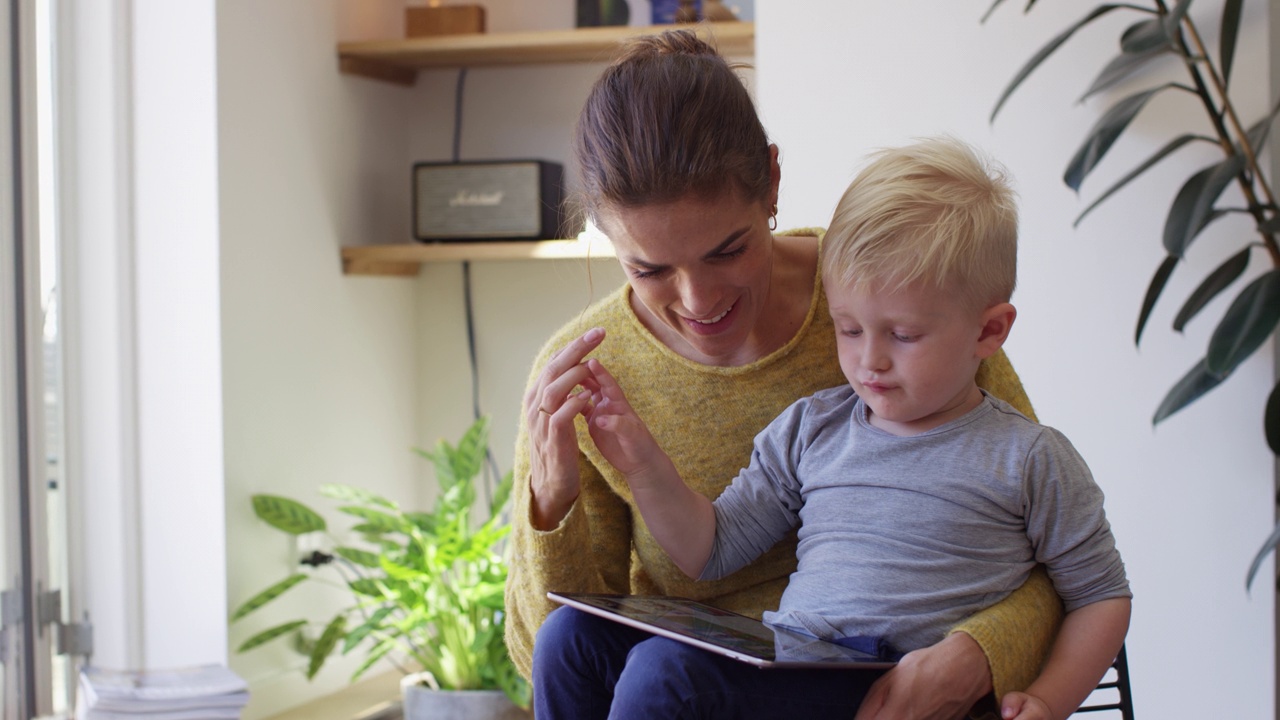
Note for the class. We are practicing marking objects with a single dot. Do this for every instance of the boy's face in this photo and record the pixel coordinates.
(912, 354)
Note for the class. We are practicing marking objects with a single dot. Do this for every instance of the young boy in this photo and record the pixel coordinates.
(919, 498)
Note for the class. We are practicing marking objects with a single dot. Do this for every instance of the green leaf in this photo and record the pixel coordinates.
(1271, 420)
(363, 558)
(287, 515)
(270, 634)
(1247, 323)
(325, 645)
(371, 532)
(501, 494)
(1144, 36)
(1231, 12)
(1190, 388)
(1192, 209)
(1146, 165)
(380, 521)
(397, 571)
(267, 595)
(377, 653)
(460, 464)
(1156, 287)
(1049, 49)
(426, 522)
(1263, 551)
(1258, 132)
(355, 637)
(1227, 273)
(1104, 134)
(349, 494)
(468, 457)
(367, 587)
(1121, 67)
(990, 10)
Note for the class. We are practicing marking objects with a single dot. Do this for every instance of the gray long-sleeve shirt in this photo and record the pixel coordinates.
(903, 537)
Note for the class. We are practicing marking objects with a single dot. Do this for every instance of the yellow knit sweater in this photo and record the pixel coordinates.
(706, 418)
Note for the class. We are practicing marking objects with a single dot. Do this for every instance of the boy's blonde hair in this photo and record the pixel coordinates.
(934, 211)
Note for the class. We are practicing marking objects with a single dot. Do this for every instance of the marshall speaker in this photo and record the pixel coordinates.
(476, 201)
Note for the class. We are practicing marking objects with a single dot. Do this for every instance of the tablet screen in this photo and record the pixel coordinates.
(719, 630)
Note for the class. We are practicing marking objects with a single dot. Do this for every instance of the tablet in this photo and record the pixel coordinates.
(722, 632)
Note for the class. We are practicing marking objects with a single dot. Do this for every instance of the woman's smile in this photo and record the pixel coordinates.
(713, 325)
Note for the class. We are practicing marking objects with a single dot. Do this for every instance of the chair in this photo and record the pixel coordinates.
(1113, 692)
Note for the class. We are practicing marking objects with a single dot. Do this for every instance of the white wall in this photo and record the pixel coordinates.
(1190, 501)
(319, 378)
(331, 379)
(139, 207)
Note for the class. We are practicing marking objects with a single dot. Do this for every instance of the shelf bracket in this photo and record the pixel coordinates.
(385, 72)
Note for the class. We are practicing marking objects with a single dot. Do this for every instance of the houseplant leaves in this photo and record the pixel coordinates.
(1255, 313)
(426, 586)
(1049, 49)
(1247, 323)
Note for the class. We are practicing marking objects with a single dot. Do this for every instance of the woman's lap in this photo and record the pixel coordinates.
(590, 667)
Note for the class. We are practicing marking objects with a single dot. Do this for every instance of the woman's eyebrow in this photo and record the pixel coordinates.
(632, 260)
(717, 250)
(733, 237)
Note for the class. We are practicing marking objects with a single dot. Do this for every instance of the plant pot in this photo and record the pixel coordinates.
(423, 703)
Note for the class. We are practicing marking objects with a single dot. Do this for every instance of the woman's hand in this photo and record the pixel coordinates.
(550, 406)
(940, 682)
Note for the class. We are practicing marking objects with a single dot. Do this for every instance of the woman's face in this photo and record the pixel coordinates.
(699, 272)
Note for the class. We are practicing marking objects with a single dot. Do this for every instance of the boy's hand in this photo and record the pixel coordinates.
(682, 521)
(619, 434)
(1021, 706)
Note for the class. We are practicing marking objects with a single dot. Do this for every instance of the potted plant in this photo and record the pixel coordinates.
(1164, 32)
(426, 588)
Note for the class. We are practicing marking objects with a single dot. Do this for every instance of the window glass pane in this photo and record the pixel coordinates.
(14, 672)
(52, 484)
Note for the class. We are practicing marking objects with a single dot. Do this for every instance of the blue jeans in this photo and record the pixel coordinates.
(587, 667)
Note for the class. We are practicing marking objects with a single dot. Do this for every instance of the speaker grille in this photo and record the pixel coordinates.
(482, 200)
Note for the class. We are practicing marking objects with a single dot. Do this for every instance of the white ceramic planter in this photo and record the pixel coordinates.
(422, 703)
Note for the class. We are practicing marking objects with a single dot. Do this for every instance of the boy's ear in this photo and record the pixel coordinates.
(997, 321)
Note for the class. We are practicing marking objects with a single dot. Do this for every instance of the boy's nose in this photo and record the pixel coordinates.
(875, 357)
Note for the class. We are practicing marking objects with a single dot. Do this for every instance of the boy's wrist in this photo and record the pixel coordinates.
(659, 475)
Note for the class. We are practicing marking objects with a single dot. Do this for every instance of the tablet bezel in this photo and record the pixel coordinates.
(719, 631)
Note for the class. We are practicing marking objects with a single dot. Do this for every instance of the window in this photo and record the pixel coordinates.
(33, 525)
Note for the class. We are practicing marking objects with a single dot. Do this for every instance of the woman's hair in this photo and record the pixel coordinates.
(670, 118)
(934, 211)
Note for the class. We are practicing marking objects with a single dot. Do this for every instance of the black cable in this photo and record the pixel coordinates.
(468, 304)
(471, 339)
(457, 114)
(491, 464)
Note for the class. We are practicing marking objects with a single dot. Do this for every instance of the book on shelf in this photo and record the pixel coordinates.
(204, 692)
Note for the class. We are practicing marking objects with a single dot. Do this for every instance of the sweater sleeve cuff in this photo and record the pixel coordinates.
(1017, 633)
(550, 548)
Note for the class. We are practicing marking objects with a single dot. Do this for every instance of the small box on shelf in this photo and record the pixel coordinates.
(436, 20)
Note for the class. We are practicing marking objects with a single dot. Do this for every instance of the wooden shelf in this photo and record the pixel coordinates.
(405, 259)
(399, 61)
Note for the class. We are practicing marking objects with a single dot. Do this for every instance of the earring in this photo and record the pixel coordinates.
(773, 217)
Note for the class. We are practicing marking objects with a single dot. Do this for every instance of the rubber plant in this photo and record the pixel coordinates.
(424, 587)
(1165, 32)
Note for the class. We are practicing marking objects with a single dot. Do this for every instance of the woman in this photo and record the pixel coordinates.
(721, 325)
